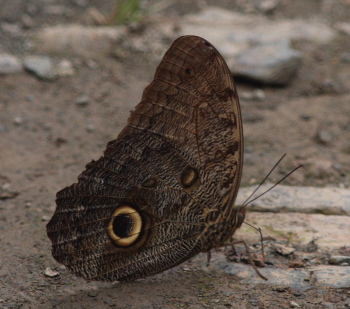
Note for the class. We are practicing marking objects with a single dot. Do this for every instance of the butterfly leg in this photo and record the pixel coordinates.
(249, 257)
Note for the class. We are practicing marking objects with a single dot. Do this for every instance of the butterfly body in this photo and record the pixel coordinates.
(164, 190)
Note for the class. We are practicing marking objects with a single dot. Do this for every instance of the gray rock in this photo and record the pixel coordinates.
(338, 259)
(257, 94)
(324, 137)
(293, 278)
(343, 28)
(328, 232)
(331, 276)
(65, 68)
(267, 6)
(9, 64)
(284, 250)
(41, 66)
(329, 201)
(83, 100)
(273, 64)
(300, 279)
(293, 304)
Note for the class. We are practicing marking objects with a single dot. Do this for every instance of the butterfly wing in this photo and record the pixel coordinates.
(145, 205)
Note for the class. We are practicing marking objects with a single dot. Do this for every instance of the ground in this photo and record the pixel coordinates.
(46, 139)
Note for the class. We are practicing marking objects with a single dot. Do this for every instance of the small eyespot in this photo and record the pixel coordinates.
(209, 45)
(125, 226)
(189, 176)
(149, 183)
(189, 71)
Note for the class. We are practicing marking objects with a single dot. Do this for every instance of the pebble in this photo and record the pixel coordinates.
(83, 100)
(90, 127)
(51, 273)
(267, 6)
(65, 68)
(293, 304)
(252, 117)
(343, 28)
(257, 94)
(270, 64)
(324, 137)
(45, 218)
(320, 169)
(17, 121)
(41, 66)
(284, 250)
(9, 64)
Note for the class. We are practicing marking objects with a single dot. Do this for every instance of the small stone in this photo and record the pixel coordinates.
(345, 57)
(338, 259)
(18, 121)
(55, 9)
(41, 66)
(293, 304)
(27, 21)
(267, 6)
(343, 28)
(284, 250)
(12, 28)
(83, 100)
(51, 273)
(9, 64)
(95, 16)
(81, 3)
(305, 117)
(45, 218)
(320, 169)
(257, 94)
(324, 137)
(65, 68)
(62, 267)
(252, 117)
(90, 127)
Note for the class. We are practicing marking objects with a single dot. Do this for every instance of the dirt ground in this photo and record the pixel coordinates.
(46, 140)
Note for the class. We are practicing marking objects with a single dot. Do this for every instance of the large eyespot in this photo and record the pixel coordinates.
(126, 226)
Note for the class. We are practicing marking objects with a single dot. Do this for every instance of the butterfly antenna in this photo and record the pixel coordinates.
(277, 183)
(261, 183)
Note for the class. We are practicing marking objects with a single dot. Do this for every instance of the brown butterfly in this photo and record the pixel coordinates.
(165, 189)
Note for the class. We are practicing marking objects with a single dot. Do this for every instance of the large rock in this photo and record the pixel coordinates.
(233, 32)
(41, 66)
(273, 64)
(329, 201)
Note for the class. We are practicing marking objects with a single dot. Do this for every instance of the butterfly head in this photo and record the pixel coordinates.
(239, 217)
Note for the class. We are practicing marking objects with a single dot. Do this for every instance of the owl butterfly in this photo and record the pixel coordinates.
(165, 189)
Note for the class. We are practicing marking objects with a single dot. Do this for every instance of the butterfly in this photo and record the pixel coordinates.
(165, 188)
